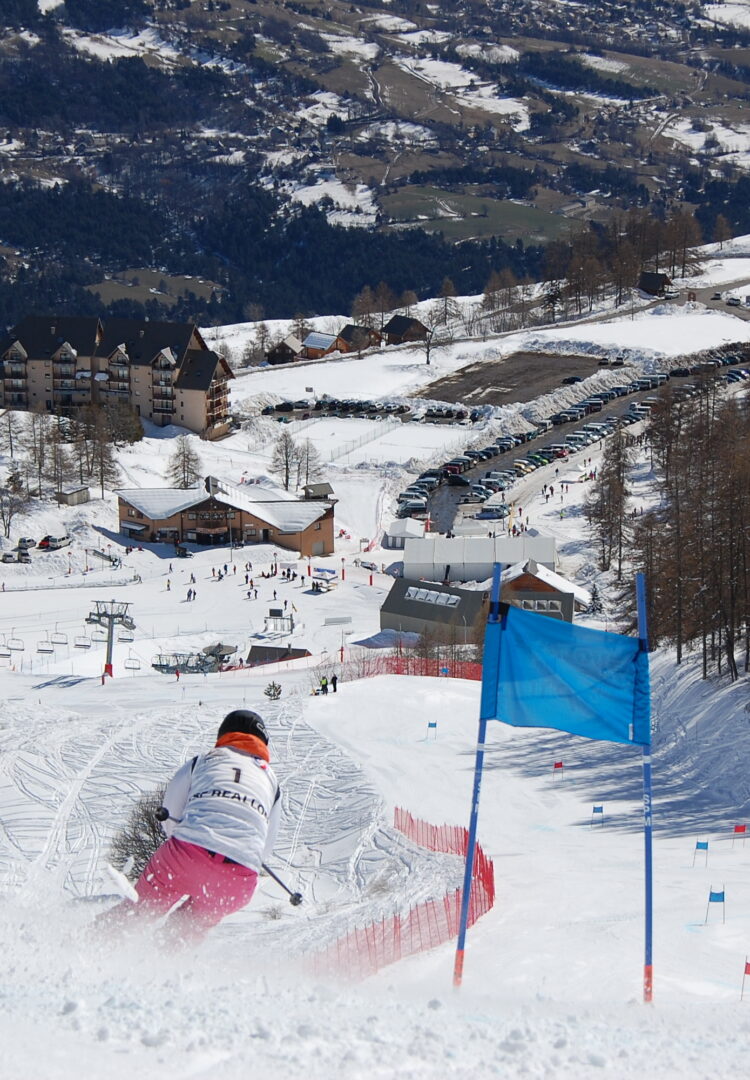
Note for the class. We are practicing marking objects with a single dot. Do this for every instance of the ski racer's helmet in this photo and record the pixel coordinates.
(244, 721)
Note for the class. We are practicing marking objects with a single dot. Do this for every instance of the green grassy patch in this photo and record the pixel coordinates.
(141, 285)
(460, 216)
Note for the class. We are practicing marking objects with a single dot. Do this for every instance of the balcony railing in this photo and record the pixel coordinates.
(15, 371)
(64, 371)
(161, 408)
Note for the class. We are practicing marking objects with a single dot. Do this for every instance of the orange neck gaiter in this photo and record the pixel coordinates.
(251, 744)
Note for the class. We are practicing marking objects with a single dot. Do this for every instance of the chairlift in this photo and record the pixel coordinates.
(82, 642)
(132, 663)
(45, 647)
(58, 637)
(125, 635)
(98, 635)
(15, 643)
(4, 652)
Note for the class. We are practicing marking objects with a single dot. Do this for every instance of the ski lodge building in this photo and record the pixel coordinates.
(219, 513)
(164, 371)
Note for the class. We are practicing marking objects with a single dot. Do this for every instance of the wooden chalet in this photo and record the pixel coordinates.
(358, 338)
(317, 345)
(286, 351)
(401, 329)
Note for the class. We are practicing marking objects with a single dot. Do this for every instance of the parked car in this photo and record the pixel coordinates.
(26, 542)
(493, 513)
(407, 509)
(456, 480)
(52, 543)
(570, 380)
(183, 553)
(23, 556)
(8, 556)
(733, 301)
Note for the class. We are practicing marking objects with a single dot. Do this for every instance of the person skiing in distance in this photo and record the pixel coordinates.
(223, 812)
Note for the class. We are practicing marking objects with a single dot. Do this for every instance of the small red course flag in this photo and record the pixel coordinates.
(740, 828)
(747, 967)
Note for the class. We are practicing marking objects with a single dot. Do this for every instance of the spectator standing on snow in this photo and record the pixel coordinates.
(169, 584)
(334, 681)
(223, 812)
(324, 685)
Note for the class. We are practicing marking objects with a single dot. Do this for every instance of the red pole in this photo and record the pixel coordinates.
(371, 579)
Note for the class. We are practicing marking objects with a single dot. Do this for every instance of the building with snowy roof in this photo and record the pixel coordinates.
(317, 345)
(537, 588)
(284, 352)
(217, 513)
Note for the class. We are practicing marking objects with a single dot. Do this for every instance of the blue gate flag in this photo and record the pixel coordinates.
(542, 672)
(701, 845)
(716, 897)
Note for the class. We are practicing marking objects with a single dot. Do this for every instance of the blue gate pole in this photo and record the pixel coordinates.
(648, 962)
(458, 965)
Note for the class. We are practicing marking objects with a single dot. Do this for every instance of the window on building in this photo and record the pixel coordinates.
(317, 524)
(431, 596)
(192, 517)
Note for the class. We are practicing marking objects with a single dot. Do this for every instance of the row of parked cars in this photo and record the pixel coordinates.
(47, 543)
(413, 501)
(336, 407)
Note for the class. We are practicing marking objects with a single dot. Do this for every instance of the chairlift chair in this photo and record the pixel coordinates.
(4, 652)
(125, 635)
(58, 638)
(98, 635)
(132, 663)
(15, 643)
(82, 641)
(45, 647)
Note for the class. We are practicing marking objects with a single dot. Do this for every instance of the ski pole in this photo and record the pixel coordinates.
(295, 898)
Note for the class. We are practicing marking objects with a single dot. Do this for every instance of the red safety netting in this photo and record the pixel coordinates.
(369, 665)
(365, 950)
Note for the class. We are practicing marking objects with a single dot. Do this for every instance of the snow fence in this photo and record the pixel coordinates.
(366, 950)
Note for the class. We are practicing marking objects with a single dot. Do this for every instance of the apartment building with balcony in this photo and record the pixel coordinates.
(165, 371)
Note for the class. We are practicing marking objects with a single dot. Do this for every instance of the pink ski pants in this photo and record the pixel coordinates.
(214, 888)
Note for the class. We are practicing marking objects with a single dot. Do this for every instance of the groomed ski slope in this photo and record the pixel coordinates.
(552, 981)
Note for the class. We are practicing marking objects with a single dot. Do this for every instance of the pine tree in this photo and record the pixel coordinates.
(185, 467)
(595, 607)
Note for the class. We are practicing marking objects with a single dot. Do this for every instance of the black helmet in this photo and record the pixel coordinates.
(245, 721)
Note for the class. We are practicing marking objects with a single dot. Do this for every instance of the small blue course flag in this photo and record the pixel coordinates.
(701, 845)
(542, 672)
(716, 897)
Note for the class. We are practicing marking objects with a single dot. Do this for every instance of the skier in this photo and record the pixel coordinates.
(223, 810)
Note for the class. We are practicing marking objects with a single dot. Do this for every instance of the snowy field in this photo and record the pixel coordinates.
(552, 977)
(552, 985)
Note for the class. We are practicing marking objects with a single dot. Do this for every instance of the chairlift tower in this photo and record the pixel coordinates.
(110, 614)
